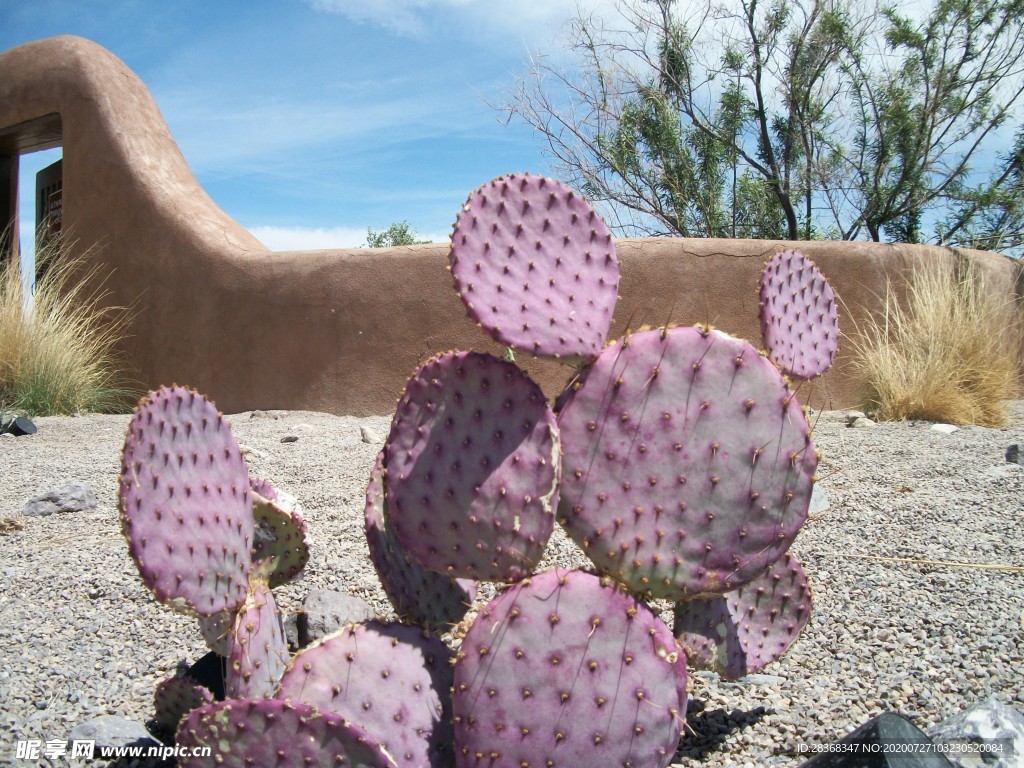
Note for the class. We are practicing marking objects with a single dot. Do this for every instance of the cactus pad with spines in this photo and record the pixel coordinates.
(392, 679)
(798, 316)
(257, 649)
(741, 632)
(536, 267)
(687, 464)
(419, 595)
(174, 698)
(242, 733)
(215, 630)
(471, 468)
(184, 503)
(568, 669)
(280, 551)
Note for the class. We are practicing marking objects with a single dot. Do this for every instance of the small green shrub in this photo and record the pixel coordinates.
(58, 347)
(947, 354)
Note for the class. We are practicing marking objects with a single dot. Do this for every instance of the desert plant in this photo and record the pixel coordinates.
(944, 352)
(58, 343)
(677, 458)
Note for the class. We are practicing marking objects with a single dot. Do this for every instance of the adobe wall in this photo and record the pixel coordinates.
(338, 331)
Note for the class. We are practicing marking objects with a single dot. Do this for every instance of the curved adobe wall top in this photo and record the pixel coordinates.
(337, 331)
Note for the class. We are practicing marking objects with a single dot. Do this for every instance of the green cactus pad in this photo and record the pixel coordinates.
(419, 596)
(280, 551)
(257, 649)
(741, 632)
(174, 698)
(392, 679)
(798, 316)
(472, 468)
(267, 733)
(536, 267)
(566, 669)
(687, 463)
(184, 503)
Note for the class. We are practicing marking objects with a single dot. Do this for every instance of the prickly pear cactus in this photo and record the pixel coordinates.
(798, 316)
(257, 649)
(392, 679)
(536, 267)
(741, 632)
(419, 596)
(184, 503)
(566, 669)
(687, 464)
(242, 733)
(174, 698)
(280, 551)
(471, 468)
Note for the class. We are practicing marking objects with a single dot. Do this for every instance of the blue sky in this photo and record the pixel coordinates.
(309, 120)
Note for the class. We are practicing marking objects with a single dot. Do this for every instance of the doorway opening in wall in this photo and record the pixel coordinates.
(39, 198)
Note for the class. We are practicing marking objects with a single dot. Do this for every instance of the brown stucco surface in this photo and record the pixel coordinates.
(341, 330)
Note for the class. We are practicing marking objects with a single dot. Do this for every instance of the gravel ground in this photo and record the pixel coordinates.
(80, 636)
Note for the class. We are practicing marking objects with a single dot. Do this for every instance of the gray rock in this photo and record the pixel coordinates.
(1014, 454)
(757, 679)
(113, 731)
(860, 422)
(1004, 470)
(852, 416)
(324, 611)
(369, 436)
(251, 453)
(275, 415)
(73, 497)
(946, 429)
(819, 501)
(990, 722)
(290, 439)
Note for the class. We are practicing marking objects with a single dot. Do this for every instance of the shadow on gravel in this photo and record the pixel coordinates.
(706, 731)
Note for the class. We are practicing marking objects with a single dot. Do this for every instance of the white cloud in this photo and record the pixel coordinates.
(321, 238)
(534, 22)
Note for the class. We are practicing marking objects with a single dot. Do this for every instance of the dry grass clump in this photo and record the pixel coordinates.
(57, 347)
(949, 354)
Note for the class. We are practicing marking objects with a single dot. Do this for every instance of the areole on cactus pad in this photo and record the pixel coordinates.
(687, 464)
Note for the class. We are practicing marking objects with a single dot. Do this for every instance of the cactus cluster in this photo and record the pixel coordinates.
(677, 458)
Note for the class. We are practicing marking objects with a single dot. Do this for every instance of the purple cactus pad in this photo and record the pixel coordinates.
(687, 464)
(174, 698)
(472, 468)
(392, 679)
(566, 670)
(257, 649)
(280, 551)
(419, 596)
(798, 316)
(536, 267)
(243, 733)
(184, 503)
(741, 632)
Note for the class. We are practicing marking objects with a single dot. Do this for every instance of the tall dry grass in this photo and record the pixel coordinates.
(950, 353)
(58, 347)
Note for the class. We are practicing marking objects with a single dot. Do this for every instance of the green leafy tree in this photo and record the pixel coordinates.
(791, 118)
(399, 233)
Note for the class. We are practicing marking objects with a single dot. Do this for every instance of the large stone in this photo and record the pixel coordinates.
(73, 497)
(1014, 454)
(324, 611)
(996, 728)
(113, 731)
